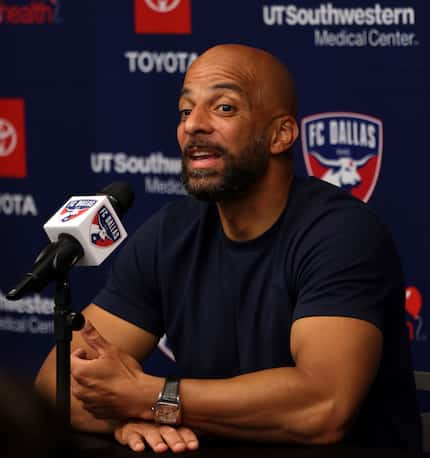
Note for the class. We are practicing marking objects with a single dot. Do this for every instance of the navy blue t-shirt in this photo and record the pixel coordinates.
(227, 307)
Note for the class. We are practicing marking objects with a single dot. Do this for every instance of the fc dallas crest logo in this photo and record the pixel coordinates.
(104, 230)
(344, 149)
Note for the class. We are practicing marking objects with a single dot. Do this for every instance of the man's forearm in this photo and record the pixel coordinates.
(312, 402)
(82, 420)
(279, 405)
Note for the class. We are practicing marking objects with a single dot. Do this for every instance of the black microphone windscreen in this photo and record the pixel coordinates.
(121, 196)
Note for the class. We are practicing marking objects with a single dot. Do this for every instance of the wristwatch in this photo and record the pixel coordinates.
(167, 408)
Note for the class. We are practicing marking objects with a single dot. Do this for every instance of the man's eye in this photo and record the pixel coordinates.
(225, 108)
(185, 112)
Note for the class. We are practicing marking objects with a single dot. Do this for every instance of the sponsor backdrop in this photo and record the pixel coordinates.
(88, 96)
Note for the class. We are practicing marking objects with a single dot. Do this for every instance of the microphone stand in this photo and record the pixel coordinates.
(53, 263)
(65, 322)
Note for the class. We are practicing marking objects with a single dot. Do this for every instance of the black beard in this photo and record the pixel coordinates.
(240, 174)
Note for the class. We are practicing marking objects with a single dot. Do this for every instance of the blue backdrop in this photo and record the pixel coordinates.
(88, 95)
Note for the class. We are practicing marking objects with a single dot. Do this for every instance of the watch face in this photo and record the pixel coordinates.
(166, 412)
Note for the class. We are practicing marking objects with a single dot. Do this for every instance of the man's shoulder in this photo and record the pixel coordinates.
(318, 192)
(312, 197)
(322, 209)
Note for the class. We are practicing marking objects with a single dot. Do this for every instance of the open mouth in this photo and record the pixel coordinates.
(203, 157)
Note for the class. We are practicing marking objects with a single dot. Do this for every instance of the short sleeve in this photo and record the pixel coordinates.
(131, 291)
(348, 267)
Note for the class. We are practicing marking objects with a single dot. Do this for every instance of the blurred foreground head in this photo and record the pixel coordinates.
(29, 427)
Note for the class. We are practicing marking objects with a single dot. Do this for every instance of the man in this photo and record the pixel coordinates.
(282, 298)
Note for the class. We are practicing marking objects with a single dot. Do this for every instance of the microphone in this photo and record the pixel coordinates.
(84, 231)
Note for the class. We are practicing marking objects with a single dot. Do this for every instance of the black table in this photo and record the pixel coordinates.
(100, 446)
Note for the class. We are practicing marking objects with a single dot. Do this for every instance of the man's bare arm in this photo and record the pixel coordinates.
(126, 336)
(314, 402)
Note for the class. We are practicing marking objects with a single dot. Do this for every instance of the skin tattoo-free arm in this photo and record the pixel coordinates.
(313, 402)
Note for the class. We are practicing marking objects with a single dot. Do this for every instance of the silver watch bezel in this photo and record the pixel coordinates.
(173, 415)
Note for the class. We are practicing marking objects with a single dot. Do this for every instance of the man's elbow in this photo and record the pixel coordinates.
(327, 423)
(44, 385)
(330, 433)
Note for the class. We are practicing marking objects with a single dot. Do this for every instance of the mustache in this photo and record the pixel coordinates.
(205, 144)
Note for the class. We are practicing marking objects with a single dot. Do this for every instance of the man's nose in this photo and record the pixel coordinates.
(198, 121)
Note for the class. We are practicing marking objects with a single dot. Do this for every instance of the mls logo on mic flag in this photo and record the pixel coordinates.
(104, 229)
(162, 16)
(12, 139)
(344, 149)
(75, 208)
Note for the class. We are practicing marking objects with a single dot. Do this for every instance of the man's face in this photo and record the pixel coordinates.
(220, 133)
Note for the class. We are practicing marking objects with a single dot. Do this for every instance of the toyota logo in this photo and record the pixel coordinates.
(8, 137)
(163, 6)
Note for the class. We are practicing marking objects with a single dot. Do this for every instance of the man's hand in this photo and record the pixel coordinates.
(111, 384)
(159, 437)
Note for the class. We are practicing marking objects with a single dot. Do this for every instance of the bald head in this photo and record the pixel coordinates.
(265, 77)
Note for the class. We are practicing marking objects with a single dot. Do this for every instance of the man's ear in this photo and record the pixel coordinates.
(284, 134)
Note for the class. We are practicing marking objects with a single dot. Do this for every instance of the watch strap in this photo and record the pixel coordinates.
(171, 390)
